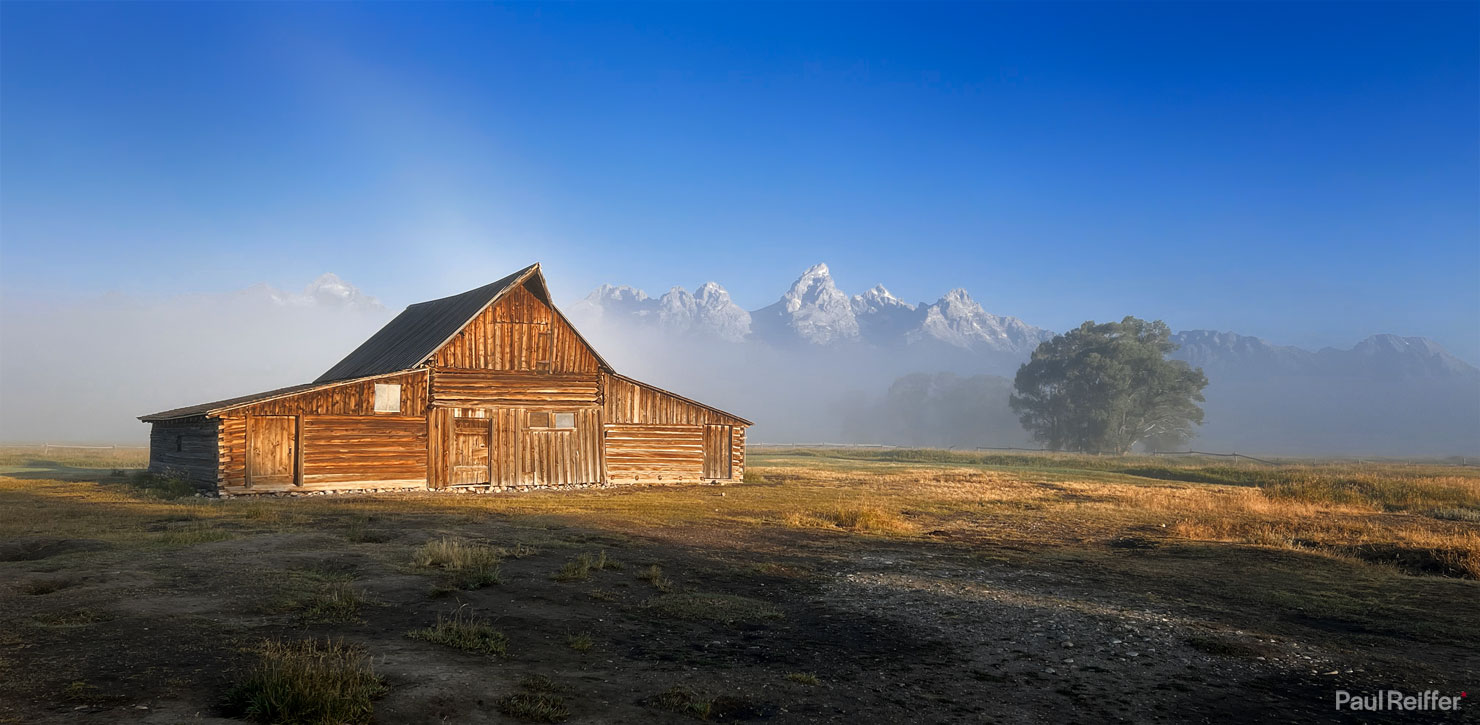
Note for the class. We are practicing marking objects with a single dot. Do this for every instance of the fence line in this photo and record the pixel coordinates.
(1000, 448)
(46, 447)
(1221, 455)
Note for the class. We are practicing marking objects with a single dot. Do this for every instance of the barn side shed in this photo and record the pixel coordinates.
(492, 389)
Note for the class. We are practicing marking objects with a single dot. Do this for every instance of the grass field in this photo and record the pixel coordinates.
(829, 586)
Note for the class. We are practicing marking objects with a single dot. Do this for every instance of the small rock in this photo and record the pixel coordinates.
(1133, 654)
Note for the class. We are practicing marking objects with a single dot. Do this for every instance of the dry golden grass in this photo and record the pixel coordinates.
(1423, 518)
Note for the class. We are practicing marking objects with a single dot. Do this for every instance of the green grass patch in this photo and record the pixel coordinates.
(579, 641)
(802, 678)
(192, 535)
(685, 702)
(308, 683)
(465, 631)
(654, 576)
(465, 565)
(164, 486)
(580, 567)
(540, 701)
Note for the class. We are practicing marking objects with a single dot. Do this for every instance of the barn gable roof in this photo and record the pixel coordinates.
(409, 340)
(217, 406)
(419, 331)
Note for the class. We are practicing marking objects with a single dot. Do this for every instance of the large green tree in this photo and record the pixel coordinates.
(1103, 388)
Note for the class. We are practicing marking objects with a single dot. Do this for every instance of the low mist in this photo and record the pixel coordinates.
(82, 371)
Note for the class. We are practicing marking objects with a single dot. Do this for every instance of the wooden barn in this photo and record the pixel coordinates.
(492, 389)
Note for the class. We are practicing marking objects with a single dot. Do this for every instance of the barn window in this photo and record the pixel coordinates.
(387, 397)
(546, 419)
(179, 443)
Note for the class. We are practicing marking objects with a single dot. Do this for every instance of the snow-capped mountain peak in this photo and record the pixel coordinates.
(619, 293)
(813, 310)
(709, 312)
(957, 319)
(878, 298)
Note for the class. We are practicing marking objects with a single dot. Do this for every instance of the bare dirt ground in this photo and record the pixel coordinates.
(118, 607)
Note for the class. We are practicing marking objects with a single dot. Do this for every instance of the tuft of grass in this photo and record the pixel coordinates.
(754, 477)
(467, 565)
(308, 683)
(358, 531)
(654, 576)
(580, 567)
(465, 631)
(685, 702)
(602, 595)
(162, 485)
(579, 641)
(802, 678)
(702, 607)
(865, 517)
(198, 534)
(333, 602)
(319, 594)
(78, 690)
(540, 701)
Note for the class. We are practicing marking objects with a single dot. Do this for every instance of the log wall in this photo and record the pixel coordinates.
(629, 401)
(184, 448)
(341, 449)
(345, 443)
(458, 388)
(654, 453)
(351, 398)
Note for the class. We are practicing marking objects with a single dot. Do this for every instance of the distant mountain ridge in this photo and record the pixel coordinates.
(1229, 355)
(813, 311)
(807, 362)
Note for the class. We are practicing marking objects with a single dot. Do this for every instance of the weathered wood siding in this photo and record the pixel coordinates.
(457, 388)
(357, 449)
(273, 449)
(655, 436)
(737, 454)
(519, 455)
(441, 441)
(654, 453)
(470, 460)
(344, 442)
(351, 398)
(561, 456)
(519, 332)
(184, 448)
(628, 401)
(717, 449)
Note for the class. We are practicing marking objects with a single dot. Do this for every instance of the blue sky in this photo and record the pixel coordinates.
(1309, 173)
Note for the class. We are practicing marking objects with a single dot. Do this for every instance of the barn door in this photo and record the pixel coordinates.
(273, 451)
(470, 451)
(717, 451)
